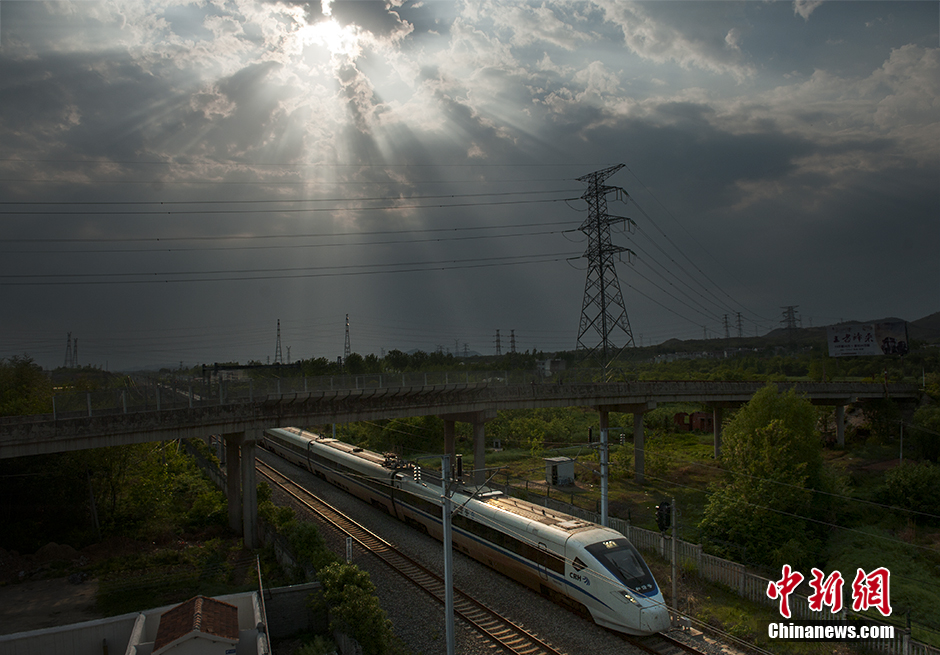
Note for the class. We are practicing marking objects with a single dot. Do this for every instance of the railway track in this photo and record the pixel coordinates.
(509, 636)
(661, 644)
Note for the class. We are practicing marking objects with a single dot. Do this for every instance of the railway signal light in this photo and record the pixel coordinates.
(664, 515)
(417, 473)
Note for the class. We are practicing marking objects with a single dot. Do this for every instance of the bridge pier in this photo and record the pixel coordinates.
(450, 444)
(717, 412)
(241, 485)
(840, 425)
(478, 420)
(639, 438)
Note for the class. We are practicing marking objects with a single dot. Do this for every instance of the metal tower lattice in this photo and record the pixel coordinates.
(68, 352)
(499, 349)
(603, 311)
(278, 359)
(790, 320)
(346, 349)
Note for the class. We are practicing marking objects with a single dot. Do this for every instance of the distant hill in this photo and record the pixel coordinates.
(925, 329)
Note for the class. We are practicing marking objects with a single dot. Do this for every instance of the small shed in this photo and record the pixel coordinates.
(559, 471)
(200, 625)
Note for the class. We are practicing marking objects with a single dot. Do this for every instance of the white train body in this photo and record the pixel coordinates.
(578, 564)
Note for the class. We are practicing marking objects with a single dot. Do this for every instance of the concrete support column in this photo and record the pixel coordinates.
(249, 495)
(716, 428)
(605, 464)
(479, 452)
(639, 447)
(233, 479)
(450, 446)
(840, 425)
(478, 421)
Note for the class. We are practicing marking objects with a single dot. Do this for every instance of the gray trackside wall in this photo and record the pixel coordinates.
(287, 609)
(83, 638)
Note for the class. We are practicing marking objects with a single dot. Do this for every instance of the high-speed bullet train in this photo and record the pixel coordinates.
(586, 567)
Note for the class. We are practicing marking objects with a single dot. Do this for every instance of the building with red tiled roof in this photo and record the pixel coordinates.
(200, 625)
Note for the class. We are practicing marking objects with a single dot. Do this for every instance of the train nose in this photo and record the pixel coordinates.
(655, 619)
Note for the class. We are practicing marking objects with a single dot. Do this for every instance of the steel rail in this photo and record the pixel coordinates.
(506, 634)
(661, 644)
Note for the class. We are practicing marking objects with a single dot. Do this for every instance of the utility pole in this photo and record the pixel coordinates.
(675, 564)
(602, 309)
(448, 556)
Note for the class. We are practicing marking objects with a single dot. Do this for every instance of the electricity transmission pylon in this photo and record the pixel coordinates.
(278, 359)
(603, 312)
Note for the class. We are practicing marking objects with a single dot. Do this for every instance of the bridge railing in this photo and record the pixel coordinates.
(150, 393)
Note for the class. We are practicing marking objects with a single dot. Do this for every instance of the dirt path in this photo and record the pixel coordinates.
(37, 604)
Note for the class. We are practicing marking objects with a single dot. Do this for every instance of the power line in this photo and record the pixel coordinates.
(253, 237)
(414, 267)
(687, 258)
(290, 245)
(305, 210)
(275, 201)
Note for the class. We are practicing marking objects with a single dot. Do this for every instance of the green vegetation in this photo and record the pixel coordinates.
(172, 574)
(24, 388)
(765, 504)
(148, 492)
(354, 608)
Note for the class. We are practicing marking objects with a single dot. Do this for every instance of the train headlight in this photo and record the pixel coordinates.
(629, 598)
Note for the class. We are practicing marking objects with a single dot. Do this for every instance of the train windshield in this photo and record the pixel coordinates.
(620, 558)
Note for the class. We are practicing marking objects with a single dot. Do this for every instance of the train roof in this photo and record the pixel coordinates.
(538, 514)
(362, 453)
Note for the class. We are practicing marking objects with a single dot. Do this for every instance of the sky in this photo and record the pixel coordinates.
(178, 177)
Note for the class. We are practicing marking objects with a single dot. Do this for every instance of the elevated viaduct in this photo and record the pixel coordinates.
(240, 421)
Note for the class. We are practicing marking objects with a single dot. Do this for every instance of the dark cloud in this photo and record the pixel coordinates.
(814, 191)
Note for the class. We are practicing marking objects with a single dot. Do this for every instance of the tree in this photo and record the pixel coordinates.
(925, 431)
(354, 364)
(24, 388)
(354, 607)
(761, 512)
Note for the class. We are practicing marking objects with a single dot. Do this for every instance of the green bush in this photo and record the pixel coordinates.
(320, 645)
(774, 462)
(308, 545)
(925, 433)
(914, 486)
(349, 594)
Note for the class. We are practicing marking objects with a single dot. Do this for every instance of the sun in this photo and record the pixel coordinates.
(342, 42)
